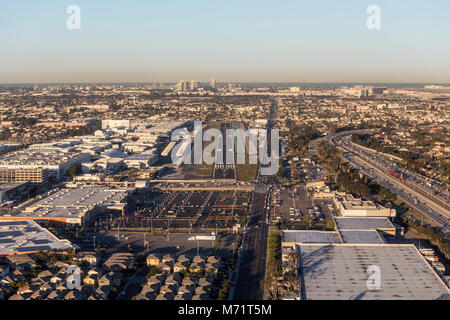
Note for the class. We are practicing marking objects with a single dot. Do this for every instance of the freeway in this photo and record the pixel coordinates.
(410, 194)
(421, 183)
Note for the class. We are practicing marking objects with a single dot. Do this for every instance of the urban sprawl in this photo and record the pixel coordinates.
(88, 183)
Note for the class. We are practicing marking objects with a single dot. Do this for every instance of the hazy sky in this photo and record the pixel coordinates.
(230, 40)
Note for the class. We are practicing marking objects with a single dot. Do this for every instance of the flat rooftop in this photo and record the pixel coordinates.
(5, 186)
(363, 223)
(74, 203)
(82, 197)
(357, 205)
(310, 236)
(35, 157)
(339, 272)
(361, 236)
(20, 237)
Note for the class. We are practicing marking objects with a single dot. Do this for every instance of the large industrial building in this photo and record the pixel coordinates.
(343, 272)
(360, 230)
(38, 163)
(75, 206)
(11, 191)
(24, 237)
(335, 264)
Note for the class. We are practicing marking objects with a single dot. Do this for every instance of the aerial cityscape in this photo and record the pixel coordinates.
(220, 188)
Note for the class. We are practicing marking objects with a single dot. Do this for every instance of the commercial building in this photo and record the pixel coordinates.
(141, 160)
(352, 207)
(357, 230)
(349, 271)
(114, 124)
(12, 191)
(25, 237)
(75, 206)
(290, 238)
(39, 163)
(382, 225)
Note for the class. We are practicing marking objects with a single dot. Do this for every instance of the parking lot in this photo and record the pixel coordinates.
(169, 243)
(196, 210)
(293, 205)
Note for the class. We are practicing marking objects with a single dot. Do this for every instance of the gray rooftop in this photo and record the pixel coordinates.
(361, 236)
(339, 272)
(5, 186)
(74, 203)
(27, 236)
(310, 236)
(363, 223)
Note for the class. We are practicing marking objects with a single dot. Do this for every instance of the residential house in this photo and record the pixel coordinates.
(200, 297)
(113, 279)
(201, 291)
(153, 260)
(189, 281)
(90, 280)
(173, 279)
(212, 269)
(169, 288)
(165, 267)
(119, 261)
(183, 296)
(183, 258)
(73, 295)
(17, 275)
(16, 297)
(159, 278)
(198, 259)
(45, 275)
(213, 260)
(196, 267)
(186, 289)
(165, 296)
(181, 266)
(102, 292)
(21, 262)
(168, 259)
(148, 295)
(54, 295)
(89, 257)
(56, 279)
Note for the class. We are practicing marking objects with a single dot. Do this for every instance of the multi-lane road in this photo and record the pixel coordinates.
(409, 187)
(251, 266)
(433, 188)
(252, 263)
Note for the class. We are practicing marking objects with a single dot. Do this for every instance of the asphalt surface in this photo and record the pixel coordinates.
(407, 191)
(253, 253)
(251, 266)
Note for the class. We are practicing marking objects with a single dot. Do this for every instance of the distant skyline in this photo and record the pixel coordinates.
(236, 40)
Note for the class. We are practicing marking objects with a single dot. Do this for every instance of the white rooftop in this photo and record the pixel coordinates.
(27, 236)
(310, 236)
(363, 223)
(340, 272)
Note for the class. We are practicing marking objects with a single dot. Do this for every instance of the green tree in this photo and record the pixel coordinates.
(75, 169)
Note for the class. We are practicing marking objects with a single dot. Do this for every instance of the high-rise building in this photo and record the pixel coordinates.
(182, 86)
(194, 85)
(213, 83)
